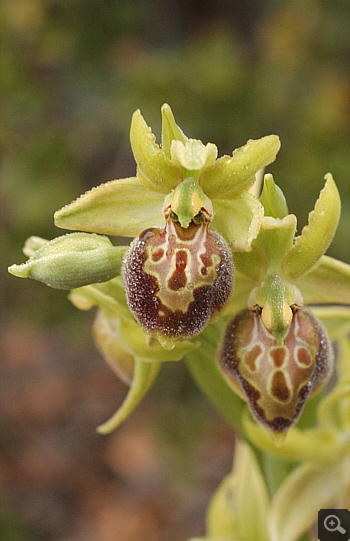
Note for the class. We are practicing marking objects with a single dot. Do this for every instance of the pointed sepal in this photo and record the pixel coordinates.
(231, 175)
(120, 207)
(317, 235)
(158, 172)
(144, 375)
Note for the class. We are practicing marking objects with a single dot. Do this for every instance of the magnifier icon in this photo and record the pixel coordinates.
(332, 524)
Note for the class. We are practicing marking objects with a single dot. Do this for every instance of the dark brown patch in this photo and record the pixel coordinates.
(251, 356)
(304, 357)
(279, 387)
(178, 279)
(156, 256)
(278, 356)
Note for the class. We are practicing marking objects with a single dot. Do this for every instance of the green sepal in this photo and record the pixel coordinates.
(317, 235)
(233, 511)
(321, 445)
(106, 338)
(120, 207)
(328, 282)
(307, 489)
(276, 238)
(144, 375)
(231, 175)
(170, 130)
(73, 261)
(238, 220)
(206, 373)
(110, 298)
(272, 199)
(157, 170)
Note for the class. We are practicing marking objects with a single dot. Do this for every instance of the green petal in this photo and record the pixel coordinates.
(272, 199)
(316, 445)
(231, 175)
(144, 375)
(72, 261)
(120, 207)
(308, 489)
(206, 373)
(156, 169)
(328, 282)
(317, 235)
(170, 130)
(238, 220)
(233, 510)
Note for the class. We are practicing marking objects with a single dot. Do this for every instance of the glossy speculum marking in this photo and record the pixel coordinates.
(275, 380)
(176, 278)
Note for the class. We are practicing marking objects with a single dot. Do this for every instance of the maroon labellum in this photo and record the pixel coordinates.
(275, 380)
(176, 278)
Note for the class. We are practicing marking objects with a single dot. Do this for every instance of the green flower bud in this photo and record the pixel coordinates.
(73, 261)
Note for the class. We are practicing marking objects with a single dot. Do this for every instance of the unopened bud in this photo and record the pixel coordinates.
(72, 261)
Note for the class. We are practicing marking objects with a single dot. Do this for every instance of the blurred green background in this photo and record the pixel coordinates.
(72, 74)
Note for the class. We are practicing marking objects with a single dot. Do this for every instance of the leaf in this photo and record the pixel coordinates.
(157, 170)
(120, 207)
(238, 220)
(233, 511)
(317, 235)
(308, 488)
(231, 175)
(144, 375)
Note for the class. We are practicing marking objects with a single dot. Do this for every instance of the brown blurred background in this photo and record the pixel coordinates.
(72, 73)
